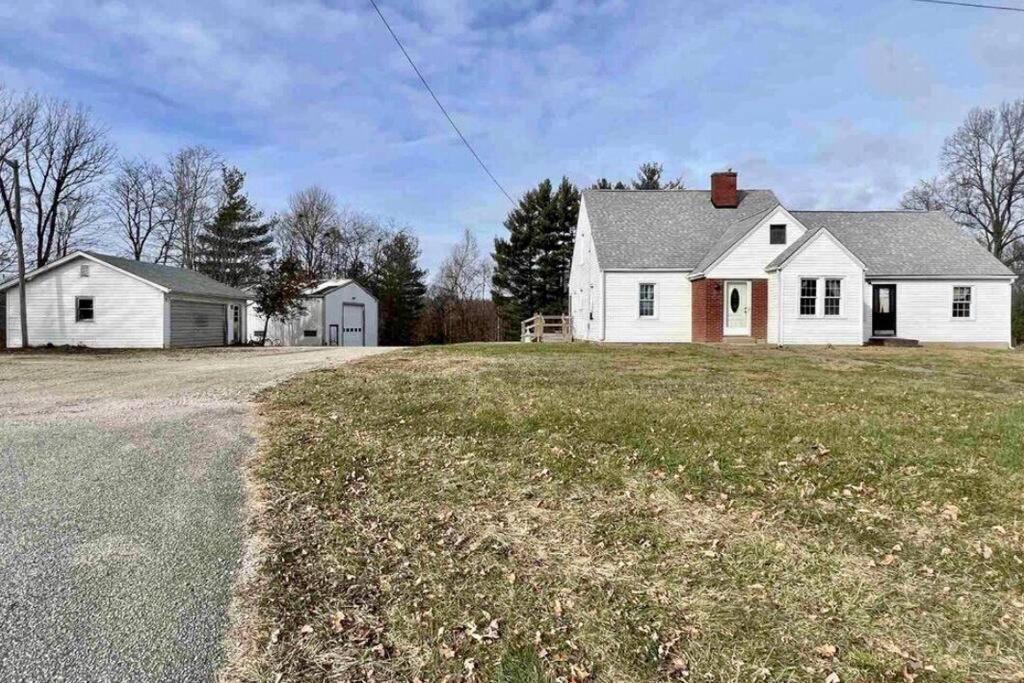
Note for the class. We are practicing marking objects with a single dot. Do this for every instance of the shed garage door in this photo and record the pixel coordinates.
(194, 323)
(352, 319)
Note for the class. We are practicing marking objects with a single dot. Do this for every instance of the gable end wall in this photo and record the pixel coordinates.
(128, 313)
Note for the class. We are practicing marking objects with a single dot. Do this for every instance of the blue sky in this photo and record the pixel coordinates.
(831, 103)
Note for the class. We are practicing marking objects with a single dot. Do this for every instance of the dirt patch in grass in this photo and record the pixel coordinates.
(574, 513)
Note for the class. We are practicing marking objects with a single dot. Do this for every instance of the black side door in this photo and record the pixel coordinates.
(883, 311)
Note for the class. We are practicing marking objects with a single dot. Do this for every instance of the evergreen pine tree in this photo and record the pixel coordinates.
(398, 283)
(234, 247)
(605, 184)
(531, 273)
(648, 177)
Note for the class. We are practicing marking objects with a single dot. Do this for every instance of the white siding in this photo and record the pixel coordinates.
(317, 319)
(128, 313)
(749, 256)
(924, 311)
(353, 294)
(822, 258)
(773, 308)
(585, 288)
(289, 332)
(672, 320)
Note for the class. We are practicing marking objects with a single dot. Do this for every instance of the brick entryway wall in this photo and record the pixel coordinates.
(759, 309)
(706, 298)
(707, 309)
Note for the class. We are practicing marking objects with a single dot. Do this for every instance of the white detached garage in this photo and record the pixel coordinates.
(339, 312)
(96, 300)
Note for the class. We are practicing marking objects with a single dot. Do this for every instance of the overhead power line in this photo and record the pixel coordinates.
(1004, 8)
(439, 105)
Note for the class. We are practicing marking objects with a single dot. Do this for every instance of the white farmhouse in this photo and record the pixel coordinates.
(95, 300)
(732, 264)
(338, 312)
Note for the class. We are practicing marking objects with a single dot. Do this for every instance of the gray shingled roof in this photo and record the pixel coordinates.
(663, 229)
(901, 243)
(681, 229)
(177, 280)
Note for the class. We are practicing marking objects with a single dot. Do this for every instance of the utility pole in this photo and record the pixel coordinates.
(19, 239)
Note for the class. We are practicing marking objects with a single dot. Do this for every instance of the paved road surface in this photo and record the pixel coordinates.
(120, 507)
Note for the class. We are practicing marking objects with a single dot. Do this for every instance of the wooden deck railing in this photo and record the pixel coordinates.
(547, 328)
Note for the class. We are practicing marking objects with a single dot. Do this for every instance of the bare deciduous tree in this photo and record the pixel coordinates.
(79, 222)
(464, 274)
(982, 181)
(16, 114)
(63, 156)
(137, 205)
(459, 307)
(311, 230)
(358, 249)
(190, 200)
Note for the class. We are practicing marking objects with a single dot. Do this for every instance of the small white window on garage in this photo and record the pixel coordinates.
(84, 311)
(647, 300)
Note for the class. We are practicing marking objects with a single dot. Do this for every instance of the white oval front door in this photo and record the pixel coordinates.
(737, 308)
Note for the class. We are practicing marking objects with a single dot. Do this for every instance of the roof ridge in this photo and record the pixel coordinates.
(670, 189)
(913, 211)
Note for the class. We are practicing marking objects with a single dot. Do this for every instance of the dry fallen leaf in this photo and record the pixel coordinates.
(832, 678)
(826, 651)
(338, 621)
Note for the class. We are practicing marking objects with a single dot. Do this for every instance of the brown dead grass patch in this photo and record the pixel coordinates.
(643, 514)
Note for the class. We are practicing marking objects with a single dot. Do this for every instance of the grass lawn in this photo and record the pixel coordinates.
(525, 513)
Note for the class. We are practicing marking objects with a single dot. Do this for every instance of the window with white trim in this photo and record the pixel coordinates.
(808, 296)
(833, 296)
(647, 300)
(962, 302)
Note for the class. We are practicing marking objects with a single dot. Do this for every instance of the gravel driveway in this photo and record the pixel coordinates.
(120, 507)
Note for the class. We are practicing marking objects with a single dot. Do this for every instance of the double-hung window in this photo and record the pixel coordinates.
(961, 302)
(808, 296)
(833, 296)
(84, 311)
(647, 300)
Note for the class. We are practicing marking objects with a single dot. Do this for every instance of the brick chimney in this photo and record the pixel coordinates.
(724, 194)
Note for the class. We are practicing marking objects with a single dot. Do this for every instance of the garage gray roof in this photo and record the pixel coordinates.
(177, 280)
(664, 229)
(901, 243)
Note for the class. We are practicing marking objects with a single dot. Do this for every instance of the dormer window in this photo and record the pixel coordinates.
(777, 234)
